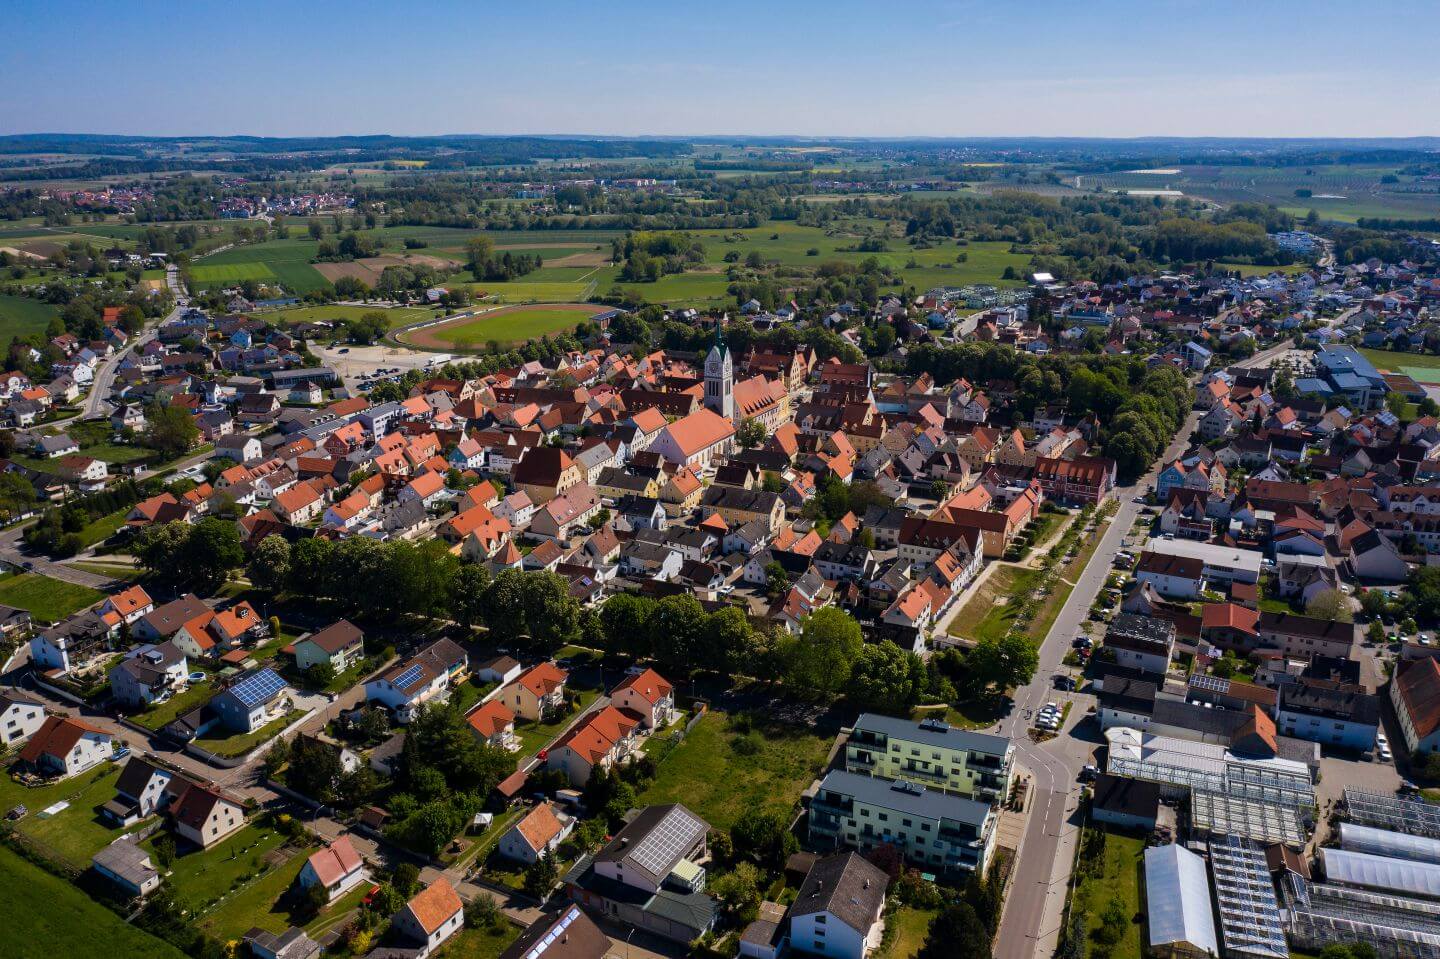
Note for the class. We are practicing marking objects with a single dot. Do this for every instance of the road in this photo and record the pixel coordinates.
(1035, 904)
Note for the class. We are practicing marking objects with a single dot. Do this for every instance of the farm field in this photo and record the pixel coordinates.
(22, 316)
(48, 599)
(287, 261)
(506, 325)
(220, 274)
(47, 917)
(720, 783)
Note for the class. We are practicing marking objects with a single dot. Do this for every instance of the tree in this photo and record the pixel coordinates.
(1397, 404)
(750, 434)
(625, 623)
(169, 430)
(1330, 604)
(320, 674)
(269, 566)
(995, 665)
(764, 837)
(676, 629)
(730, 645)
(482, 912)
(467, 594)
(956, 933)
(541, 876)
(211, 551)
(739, 888)
(821, 657)
(887, 679)
(314, 769)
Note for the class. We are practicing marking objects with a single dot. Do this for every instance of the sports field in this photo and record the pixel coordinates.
(510, 324)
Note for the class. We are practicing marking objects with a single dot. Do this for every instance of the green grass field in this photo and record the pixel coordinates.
(208, 273)
(1421, 367)
(202, 878)
(1118, 877)
(907, 927)
(21, 316)
(986, 615)
(511, 327)
(285, 261)
(398, 316)
(720, 783)
(480, 943)
(48, 599)
(257, 903)
(47, 918)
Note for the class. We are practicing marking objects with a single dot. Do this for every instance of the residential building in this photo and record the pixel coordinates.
(20, 716)
(1415, 694)
(647, 694)
(64, 747)
(494, 724)
(839, 909)
(931, 753)
(252, 702)
(341, 644)
(537, 833)
(536, 692)
(429, 674)
(337, 868)
(128, 866)
(433, 916)
(205, 816)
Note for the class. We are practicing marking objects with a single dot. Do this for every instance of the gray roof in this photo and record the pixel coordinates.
(936, 734)
(128, 861)
(906, 798)
(291, 944)
(655, 841)
(846, 886)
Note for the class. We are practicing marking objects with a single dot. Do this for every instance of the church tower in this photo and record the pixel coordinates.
(720, 377)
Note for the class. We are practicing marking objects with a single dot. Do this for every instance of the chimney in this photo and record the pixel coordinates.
(867, 882)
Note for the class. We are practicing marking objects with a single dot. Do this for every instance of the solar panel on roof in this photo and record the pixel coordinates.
(667, 842)
(258, 687)
(409, 676)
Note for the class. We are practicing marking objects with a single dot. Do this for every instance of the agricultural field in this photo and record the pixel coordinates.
(286, 261)
(222, 274)
(47, 917)
(505, 325)
(22, 316)
(47, 599)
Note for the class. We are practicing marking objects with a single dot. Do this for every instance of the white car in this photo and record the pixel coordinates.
(1384, 751)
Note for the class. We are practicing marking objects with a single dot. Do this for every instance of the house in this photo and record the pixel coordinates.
(1177, 893)
(536, 692)
(432, 917)
(1174, 577)
(1124, 802)
(148, 674)
(494, 724)
(129, 604)
(64, 747)
(565, 513)
(838, 911)
(1374, 558)
(539, 832)
(647, 694)
(142, 790)
(54, 447)
(205, 816)
(931, 830)
(337, 869)
(567, 934)
(20, 716)
(252, 702)
(501, 669)
(298, 505)
(212, 633)
(239, 447)
(1415, 693)
(1329, 713)
(696, 440)
(163, 621)
(293, 943)
(932, 753)
(128, 866)
(545, 473)
(86, 472)
(341, 644)
(649, 875)
(602, 740)
(430, 673)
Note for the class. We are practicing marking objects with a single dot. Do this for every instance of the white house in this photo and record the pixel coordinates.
(341, 644)
(538, 832)
(432, 917)
(206, 817)
(148, 674)
(337, 869)
(838, 910)
(649, 694)
(64, 747)
(20, 716)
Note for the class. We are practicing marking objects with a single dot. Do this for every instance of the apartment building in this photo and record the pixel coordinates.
(931, 753)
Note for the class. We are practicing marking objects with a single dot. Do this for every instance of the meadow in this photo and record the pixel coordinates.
(21, 316)
(47, 599)
(504, 326)
(1422, 368)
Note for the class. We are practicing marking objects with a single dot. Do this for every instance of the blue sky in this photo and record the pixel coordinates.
(898, 68)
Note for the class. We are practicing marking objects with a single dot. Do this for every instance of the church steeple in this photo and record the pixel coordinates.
(720, 376)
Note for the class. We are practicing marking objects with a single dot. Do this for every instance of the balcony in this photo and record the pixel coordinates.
(863, 760)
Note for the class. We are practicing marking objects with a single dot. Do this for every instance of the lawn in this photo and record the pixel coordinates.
(99, 530)
(49, 599)
(21, 316)
(202, 878)
(241, 743)
(176, 706)
(480, 943)
(1421, 367)
(76, 833)
(257, 904)
(397, 316)
(508, 326)
(116, 570)
(46, 917)
(988, 614)
(1063, 586)
(1118, 876)
(905, 929)
(536, 736)
(720, 783)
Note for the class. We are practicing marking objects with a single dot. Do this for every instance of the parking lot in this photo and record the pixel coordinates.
(356, 362)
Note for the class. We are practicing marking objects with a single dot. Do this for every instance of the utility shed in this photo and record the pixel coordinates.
(1177, 896)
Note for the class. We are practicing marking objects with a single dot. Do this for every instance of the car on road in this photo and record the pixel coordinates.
(1065, 683)
(344, 349)
(1088, 773)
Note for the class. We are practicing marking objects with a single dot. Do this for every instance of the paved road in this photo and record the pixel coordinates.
(1034, 907)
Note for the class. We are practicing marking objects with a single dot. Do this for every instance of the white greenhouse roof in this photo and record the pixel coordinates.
(1385, 842)
(1177, 895)
(1382, 872)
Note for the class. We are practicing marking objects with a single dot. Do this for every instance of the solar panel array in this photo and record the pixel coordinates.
(1249, 912)
(1413, 816)
(1210, 683)
(409, 676)
(258, 688)
(556, 933)
(668, 842)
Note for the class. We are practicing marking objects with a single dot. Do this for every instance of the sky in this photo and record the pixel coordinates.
(945, 68)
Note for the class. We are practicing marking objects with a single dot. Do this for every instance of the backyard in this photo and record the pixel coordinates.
(76, 833)
(202, 878)
(1115, 874)
(722, 770)
(239, 744)
(905, 928)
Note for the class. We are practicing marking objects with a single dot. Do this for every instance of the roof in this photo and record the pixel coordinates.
(846, 886)
(932, 733)
(336, 861)
(435, 904)
(56, 736)
(906, 798)
(130, 600)
(341, 634)
(1386, 842)
(542, 679)
(1418, 682)
(649, 685)
(1131, 797)
(1229, 616)
(700, 430)
(1406, 877)
(128, 861)
(540, 825)
(259, 687)
(195, 806)
(1177, 894)
(655, 841)
(490, 718)
(567, 934)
